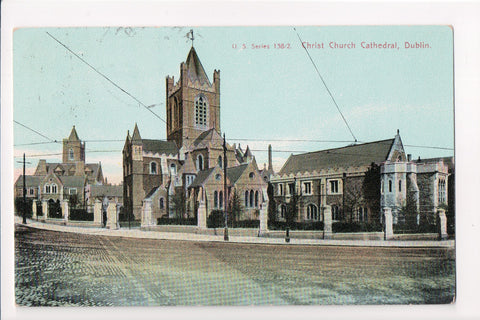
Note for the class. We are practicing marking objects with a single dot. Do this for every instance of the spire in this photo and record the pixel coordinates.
(136, 138)
(73, 135)
(195, 69)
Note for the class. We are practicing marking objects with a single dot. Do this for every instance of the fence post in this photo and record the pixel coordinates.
(387, 213)
(65, 211)
(34, 209)
(263, 219)
(147, 218)
(442, 225)
(44, 209)
(112, 222)
(327, 222)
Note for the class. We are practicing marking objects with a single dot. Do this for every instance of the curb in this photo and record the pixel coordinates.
(153, 235)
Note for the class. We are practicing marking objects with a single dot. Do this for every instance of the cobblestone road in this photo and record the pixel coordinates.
(54, 268)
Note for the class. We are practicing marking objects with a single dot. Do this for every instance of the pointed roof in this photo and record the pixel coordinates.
(195, 69)
(201, 177)
(136, 135)
(73, 135)
(234, 173)
(350, 156)
(210, 137)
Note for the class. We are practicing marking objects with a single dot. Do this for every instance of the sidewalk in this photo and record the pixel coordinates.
(137, 233)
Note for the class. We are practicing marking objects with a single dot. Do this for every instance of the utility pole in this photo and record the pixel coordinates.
(225, 212)
(24, 206)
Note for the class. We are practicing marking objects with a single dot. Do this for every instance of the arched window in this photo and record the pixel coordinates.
(200, 162)
(256, 199)
(399, 185)
(215, 199)
(312, 212)
(251, 198)
(54, 188)
(390, 185)
(220, 163)
(162, 204)
(246, 199)
(280, 189)
(153, 168)
(47, 188)
(220, 199)
(201, 111)
(71, 155)
(173, 169)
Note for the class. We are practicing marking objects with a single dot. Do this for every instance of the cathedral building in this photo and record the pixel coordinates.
(173, 176)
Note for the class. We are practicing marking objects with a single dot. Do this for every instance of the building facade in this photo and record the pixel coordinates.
(359, 181)
(171, 175)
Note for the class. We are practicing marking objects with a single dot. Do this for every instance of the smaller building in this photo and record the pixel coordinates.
(66, 180)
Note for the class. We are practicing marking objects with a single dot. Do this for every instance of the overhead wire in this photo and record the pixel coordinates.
(326, 87)
(107, 78)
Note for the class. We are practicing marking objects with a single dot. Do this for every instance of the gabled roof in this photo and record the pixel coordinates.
(195, 69)
(201, 177)
(211, 137)
(234, 173)
(160, 146)
(350, 156)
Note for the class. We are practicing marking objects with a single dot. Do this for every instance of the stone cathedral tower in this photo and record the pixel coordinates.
(193, 103)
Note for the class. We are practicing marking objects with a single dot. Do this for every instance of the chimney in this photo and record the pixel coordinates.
(270, 167)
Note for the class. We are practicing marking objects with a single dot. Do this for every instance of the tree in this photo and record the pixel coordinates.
(353, 196)
(272, 212)
(179, 200)
(235, 206)
(410, 211)
(292, 208)
(73, 200)
(371, 190)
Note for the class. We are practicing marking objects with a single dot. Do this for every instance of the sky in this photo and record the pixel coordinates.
(270, 94)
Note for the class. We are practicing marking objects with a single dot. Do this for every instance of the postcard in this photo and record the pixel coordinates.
(303, 165)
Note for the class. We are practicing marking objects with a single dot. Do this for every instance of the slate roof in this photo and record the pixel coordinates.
(72, 181)
(201, 177)
(66, 167)
(195, 69)
(350, 156)
(30, 181)
(160, 146)
(106, 190)
(234, 173)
